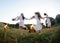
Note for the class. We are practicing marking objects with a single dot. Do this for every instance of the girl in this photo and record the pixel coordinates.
(38, 26)
(21, 23)
(47, 21)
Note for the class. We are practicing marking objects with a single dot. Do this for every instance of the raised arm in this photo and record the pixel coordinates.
(46, 16)
(15, 19)
(32, 17)
(26, 18)
(42, 17)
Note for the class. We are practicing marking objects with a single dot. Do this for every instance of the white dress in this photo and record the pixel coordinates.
(21, 23)
(48, 21)
(38, 26)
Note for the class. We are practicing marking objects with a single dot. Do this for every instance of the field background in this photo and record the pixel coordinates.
(12, 35)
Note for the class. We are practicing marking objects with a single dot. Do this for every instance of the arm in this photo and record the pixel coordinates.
(15, 19)
(42, 17)
(26, 18)
(46, 16)
(32, 17)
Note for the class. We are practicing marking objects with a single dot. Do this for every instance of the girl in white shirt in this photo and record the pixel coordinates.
(21, 18)
(48, 22)
(38, 26)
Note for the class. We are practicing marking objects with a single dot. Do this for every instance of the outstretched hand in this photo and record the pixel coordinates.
(13, 19)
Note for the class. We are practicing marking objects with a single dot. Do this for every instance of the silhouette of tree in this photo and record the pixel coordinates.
(58, 18)
(52, 20)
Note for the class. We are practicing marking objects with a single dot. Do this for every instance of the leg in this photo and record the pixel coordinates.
(49, 28)
(39, 31)
(20, 27)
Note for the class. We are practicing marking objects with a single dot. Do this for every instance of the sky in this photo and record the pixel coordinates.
(11, 8)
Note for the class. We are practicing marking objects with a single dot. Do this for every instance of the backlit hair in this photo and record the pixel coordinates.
(22, 15)
(38, 14)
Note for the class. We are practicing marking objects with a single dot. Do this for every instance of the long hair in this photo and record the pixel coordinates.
(38, 14)
(22, 16)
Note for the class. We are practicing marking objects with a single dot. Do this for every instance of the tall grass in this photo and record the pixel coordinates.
(46, 36)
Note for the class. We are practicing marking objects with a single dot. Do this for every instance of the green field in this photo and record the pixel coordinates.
(46, 36)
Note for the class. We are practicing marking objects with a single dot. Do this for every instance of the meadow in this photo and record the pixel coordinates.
(12, 35)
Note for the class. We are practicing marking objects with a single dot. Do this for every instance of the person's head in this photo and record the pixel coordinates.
(38, 14)
(45, 14)
(22, 15)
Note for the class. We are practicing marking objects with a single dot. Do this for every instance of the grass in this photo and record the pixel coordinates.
(46, 36)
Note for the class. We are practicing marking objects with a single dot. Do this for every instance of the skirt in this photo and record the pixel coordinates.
(38, 27)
